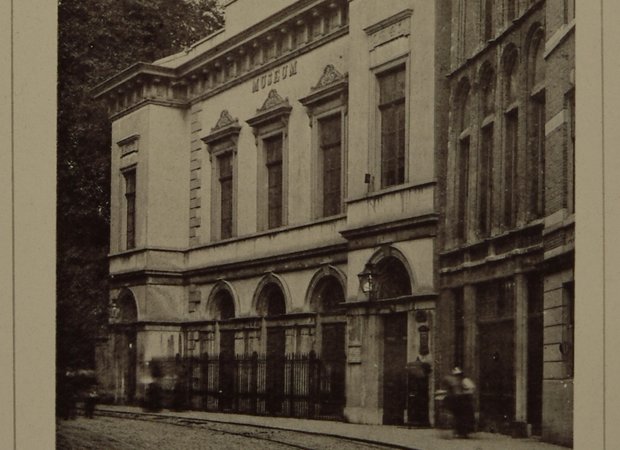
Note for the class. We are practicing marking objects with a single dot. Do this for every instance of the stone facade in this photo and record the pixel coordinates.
(278, 158)
(506, 259)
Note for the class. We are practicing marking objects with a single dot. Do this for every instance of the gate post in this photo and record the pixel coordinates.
(312, 381)
(204, 372)
(254, 383)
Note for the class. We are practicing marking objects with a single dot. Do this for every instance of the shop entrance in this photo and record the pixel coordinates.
(394, 368)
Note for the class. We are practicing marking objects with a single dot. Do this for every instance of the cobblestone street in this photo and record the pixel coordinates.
(109, 433)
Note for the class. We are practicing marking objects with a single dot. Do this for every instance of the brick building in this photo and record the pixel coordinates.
(300, 226)
(506, 264)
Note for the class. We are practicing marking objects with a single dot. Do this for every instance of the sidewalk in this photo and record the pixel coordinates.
(400, 436)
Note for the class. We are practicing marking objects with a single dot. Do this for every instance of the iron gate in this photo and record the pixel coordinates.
(239, 383)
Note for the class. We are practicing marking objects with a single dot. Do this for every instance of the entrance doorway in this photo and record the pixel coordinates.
(275, 369)
(333, 368)
(227, 369)
(496, 332)
(394, 368)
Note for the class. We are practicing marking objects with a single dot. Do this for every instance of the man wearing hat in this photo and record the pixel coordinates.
(460, 402)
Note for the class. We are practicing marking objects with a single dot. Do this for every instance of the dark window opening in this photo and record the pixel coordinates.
(226, 195)
(273, 156)
(510, 154)
(392, 116)
(462, 173)
(130, 203)
(331, 144)
(485, 181)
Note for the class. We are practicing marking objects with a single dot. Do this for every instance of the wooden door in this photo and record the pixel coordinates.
(497, 381)
(394, 368)
(333, 367)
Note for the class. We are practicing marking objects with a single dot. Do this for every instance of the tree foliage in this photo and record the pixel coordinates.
(98, 38)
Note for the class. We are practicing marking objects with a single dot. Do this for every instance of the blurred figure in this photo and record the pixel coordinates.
(90, 402)
(460, 402)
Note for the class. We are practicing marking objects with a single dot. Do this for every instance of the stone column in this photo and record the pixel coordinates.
(520, 343)
(470, 346)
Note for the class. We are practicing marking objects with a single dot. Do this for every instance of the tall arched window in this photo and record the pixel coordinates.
(511, 135)
(536, 125)
(486, 149)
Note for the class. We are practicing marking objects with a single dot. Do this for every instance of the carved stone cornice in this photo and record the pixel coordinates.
(226, 128)
(274, 108)
(331, 84)
(188, 83)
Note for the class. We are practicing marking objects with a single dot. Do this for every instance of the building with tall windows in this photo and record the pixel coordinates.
(254, 177)
(506, 261)
(322, 208)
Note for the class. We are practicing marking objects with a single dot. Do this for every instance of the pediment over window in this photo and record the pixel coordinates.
(274, 108)
(226, 128)
(332, 83)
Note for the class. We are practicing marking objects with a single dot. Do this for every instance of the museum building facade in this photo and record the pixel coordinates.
(301, 226)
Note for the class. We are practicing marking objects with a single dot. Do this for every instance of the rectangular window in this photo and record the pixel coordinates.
(511, 10)
(510, 153)
(392, 118)
(273, 162)
(485, 181)
(330, 142)
(226, 195)
(489, 16)
(537, 158)
(462, 173)
(130, 208)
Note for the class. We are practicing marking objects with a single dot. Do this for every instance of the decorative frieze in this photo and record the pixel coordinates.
(389, 29)
(263, 48)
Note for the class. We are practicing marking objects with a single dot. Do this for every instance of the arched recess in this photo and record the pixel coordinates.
(394, 277)
(271, 297)
(510, 68)
(486, 83)
(223, 302)
(326, 290)
(127, 307)
(535, 57)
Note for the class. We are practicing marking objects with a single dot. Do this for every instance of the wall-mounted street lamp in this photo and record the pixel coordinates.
(114, 313)
(368, 283)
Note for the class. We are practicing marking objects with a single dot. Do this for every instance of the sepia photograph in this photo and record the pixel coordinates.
(315, 224)
(319, 224)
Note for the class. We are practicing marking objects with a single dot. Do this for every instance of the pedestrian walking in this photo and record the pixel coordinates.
(460, 402)
(90, 402)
